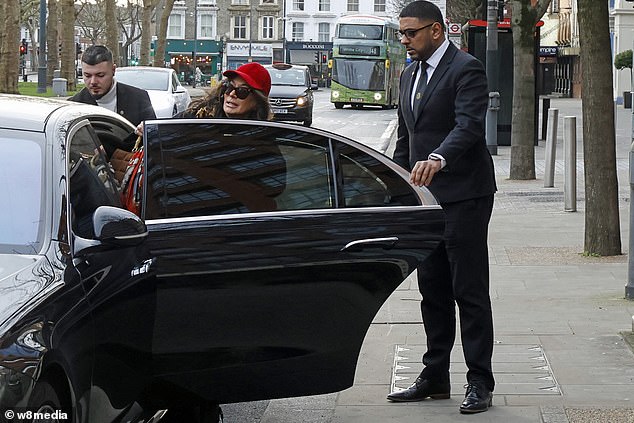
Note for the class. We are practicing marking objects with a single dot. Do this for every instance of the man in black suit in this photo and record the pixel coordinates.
(441, 140)
(102, 89)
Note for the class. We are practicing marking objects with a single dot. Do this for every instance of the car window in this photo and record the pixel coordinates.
(22, 193)
(92, 182)
(366, 182)
(144, 79)
(294, 77)
(213, 168)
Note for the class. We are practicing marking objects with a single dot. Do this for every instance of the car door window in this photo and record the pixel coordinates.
(214, 168)
(366, 182)
(92, 182)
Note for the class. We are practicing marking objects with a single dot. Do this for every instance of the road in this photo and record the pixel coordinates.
(371, 126)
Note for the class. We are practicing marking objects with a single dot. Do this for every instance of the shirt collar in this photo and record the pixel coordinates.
(434, 59)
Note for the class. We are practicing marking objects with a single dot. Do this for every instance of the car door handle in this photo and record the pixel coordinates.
(360, 244)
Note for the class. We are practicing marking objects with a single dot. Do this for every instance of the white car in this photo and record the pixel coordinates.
(166, 93)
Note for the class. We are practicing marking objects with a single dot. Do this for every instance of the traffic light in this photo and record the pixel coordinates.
(316, 57)
(24, 47)
(324, 58)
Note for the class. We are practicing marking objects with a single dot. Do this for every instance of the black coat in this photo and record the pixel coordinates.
(132, 103)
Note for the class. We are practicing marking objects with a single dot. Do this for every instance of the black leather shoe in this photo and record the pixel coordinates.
(421, 389)
(476, 400)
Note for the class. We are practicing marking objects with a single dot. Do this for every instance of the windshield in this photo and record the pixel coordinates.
(144, 79)
(361, 32)
(359, 74)
(296, 77)
(21, 220)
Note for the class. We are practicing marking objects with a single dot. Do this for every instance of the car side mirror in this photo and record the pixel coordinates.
(314, 87)
(113, 228)
(180, 89)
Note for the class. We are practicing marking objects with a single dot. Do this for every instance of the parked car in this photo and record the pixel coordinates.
(260, 256)
(291, 95)
(166, 93)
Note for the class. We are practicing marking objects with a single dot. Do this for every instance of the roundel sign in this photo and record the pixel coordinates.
(454, 28)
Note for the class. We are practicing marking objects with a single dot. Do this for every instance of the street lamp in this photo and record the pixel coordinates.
(41, 70)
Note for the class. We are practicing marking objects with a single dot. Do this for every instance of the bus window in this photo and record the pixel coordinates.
(361, 32)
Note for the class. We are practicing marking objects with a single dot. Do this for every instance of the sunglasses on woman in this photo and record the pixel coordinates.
(241, 92)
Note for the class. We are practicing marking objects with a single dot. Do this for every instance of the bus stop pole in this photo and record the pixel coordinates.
(492, 76)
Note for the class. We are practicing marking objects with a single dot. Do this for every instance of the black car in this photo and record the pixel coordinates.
(260, 255)
(291, 95)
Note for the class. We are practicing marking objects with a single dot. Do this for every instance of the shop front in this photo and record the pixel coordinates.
(241, 53)
(184, 58)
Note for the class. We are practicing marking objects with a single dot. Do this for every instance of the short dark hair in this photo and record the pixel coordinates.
(96, 54)
(423, 9)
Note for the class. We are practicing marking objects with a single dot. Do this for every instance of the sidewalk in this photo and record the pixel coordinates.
(559, 356)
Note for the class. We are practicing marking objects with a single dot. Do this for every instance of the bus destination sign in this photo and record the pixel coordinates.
(360, 50)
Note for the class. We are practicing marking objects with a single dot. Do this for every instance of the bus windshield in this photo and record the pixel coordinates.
(360, 32)
(359, 74)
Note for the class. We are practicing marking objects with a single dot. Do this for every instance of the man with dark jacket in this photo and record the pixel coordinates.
(442, 109)
(103, 90)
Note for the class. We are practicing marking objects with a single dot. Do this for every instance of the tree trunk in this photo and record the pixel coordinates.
(52, 56)
(112, 31)
(68, 68)
(9, 46)
(161, 36)
(602, 233)
(146, 37)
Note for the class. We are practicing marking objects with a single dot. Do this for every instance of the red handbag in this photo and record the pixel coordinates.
(132, 183)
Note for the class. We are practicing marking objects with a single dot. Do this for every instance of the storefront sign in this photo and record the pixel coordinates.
(548, 51)
(249, 49)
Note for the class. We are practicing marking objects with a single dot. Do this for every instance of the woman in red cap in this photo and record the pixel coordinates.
(243, 94)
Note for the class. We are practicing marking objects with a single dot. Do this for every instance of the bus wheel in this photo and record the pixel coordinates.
(338, 105)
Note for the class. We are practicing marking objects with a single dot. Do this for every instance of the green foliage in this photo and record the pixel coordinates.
(623, 60)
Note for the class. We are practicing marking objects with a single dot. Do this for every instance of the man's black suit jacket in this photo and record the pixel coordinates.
(451, 122)
(132, 103)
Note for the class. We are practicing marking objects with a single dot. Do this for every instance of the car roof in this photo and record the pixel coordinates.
(285, 66)
(143, 68)
(32, 113)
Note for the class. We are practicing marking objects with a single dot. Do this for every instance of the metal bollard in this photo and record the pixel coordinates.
(570, 163)
(492, 122)
(551, 148)
(629, 288)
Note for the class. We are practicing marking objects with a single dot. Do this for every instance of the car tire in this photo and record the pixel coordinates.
(338, 105)
(46, 399)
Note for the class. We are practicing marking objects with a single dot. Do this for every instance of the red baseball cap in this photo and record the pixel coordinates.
(254, 74)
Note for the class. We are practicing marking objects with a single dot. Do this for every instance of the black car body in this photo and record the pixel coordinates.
(291, 95)
(261, 254)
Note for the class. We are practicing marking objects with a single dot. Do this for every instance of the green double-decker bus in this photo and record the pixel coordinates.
(367, 61)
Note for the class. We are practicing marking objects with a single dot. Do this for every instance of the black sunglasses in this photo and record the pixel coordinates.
(241, 92)
(411, 33)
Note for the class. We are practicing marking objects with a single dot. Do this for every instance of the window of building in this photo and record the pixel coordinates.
(379, 5)
(206, 25)
(324, 5)
(268, 23)
(175, 26)
(324, 32)
(353, 5)
(298, 31)
(298, 4)
(240, 27)
(239, 1)
(269, 1)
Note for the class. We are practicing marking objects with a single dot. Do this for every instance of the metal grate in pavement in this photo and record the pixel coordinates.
(519, 369)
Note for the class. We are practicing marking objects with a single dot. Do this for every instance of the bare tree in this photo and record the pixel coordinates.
(161, 36)
(68, 69)
(602, 233)
(129, 19)
(9, 46)
(524, 16)
(112, 30)
(52, 56)
(461, 11)
(90, 19)
(146, 24)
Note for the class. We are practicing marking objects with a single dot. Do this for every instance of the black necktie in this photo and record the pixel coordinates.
(420, 88)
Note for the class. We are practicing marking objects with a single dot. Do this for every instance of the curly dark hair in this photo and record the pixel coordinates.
(210, 105)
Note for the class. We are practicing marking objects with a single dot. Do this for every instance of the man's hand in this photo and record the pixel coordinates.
(424, 171)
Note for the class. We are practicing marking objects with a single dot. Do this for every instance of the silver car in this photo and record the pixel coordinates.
(167, 94)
